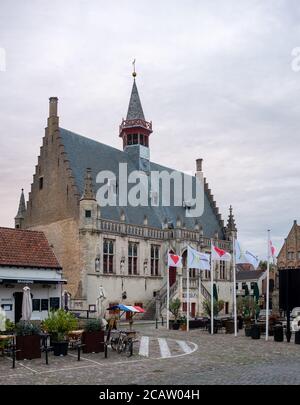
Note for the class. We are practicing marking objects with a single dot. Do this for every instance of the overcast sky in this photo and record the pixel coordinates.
(215, 78)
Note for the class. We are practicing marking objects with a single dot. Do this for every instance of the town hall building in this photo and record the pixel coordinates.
(120, 249)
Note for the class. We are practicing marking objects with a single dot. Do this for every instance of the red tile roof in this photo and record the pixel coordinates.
(24, 248)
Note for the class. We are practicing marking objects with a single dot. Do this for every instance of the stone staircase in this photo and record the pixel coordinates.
(159, 302)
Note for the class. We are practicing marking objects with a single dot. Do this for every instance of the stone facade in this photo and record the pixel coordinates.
(62, 204)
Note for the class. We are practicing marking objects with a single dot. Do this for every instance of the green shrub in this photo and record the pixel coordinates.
(26, 328)
(59, 323)
(9, 326)
(174, 307)
(93, 325)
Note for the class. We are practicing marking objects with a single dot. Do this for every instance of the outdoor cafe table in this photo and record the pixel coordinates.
(6, 339)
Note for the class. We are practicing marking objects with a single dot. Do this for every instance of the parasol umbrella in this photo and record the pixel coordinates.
(2, 320)
(215, 293)
(256, 292)
(26, 304)
(66, 300)
(128, 308)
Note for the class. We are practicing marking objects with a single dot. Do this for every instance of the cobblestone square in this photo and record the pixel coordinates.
(169, 357)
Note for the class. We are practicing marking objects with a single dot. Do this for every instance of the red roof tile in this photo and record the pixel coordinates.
(24, 248)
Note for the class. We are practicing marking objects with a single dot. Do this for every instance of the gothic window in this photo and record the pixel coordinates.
(222, 270)
(108, 256)
(192, 273)
(154, 260)
(207, 274)
(132, 258)
(41, 183)
(135, 139)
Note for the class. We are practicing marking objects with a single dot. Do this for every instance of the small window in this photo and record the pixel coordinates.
(36, 304)
(44, 305)
(135, 139)
(54, 303)
(88, 213)
(41, 183)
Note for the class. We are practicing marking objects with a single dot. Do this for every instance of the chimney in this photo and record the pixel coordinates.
(199, 165)
(53, 106)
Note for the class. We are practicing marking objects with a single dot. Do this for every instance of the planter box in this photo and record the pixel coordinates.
(229, 326)
(29, 346)
(255, 332)
(248, 331)
(94, 342)
(60, 348)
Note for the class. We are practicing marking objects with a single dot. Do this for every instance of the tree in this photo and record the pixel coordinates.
(174, 307)
(218, 306)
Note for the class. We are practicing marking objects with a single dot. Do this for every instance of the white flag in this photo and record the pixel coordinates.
(219, 254)
(174, 260)
(197, 260)
(243, 256)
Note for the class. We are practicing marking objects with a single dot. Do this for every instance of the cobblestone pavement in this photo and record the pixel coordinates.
(202, 359)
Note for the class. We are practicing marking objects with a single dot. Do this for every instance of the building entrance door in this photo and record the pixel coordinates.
(18, 305)
(172, 275)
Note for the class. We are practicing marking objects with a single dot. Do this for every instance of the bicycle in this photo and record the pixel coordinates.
(123, 343)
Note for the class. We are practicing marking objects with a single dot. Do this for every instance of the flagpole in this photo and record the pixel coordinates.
(234, 286)
(211, 291)
(168, 295)
(268, 288)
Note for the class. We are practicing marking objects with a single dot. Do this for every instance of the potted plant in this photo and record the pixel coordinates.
(217, 307)
(58, 324)
(183, 322)
(93, 336)
(28, 340)
(174, 308)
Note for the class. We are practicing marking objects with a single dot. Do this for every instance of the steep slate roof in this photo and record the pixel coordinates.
(24, 248)
(135, 109)
(84, 152)
(244, 275)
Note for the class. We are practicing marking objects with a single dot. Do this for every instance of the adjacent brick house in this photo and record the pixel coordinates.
(27, 259)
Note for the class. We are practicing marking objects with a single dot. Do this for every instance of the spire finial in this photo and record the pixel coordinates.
(134, 72)
(88, 193)
(22, 206)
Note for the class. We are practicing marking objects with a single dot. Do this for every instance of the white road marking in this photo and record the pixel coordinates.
(164, 348)
(144, 346)
(184, 346)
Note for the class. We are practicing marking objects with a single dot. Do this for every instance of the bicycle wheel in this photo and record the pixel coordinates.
(121, 346)
(129, 348)
(114, 343)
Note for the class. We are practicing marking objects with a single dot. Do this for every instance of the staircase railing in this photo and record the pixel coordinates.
(204, 291)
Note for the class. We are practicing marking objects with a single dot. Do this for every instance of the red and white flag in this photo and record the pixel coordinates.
(271, 250)
(174, 260)
(219, 254)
